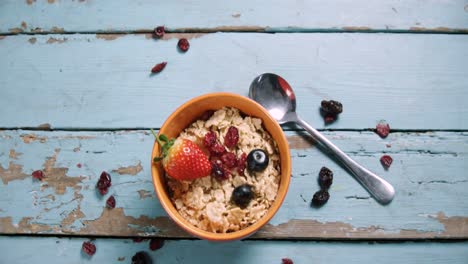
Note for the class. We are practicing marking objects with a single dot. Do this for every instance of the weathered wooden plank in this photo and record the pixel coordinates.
(125, 15)
(428, 172)
(103, 81)
(55, 250)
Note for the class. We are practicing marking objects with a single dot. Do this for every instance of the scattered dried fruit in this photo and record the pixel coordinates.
(110, 202)
(232, 137)
(141, 258)
(217, 149)
(89, 248)
(38, 174)
(241, 163)
(325, 178)
(156, 243)
(159, 67)
(320, 198)
(386, 161)
(183, 44)
(382, 129)
(229, 159)
(331, 107)
(104, 183)
(159, 31)
(210, 139)
(242, 195)
(287, 261)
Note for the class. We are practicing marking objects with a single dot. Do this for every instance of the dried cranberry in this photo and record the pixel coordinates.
(229, 159)
(78, 165)
(156, 243)
(325, 178)
(141, 258)
(110, 202)
(287, 261)
(103, 191)
(207, 115)
(88, 248)
(217, 149)
(159, 31)
(38, 174)
(232, 137)
(183, 44)
(320, 198)
(382, 129)
(210, 139)
(331, 107)
(159, 67)
(386, 161)
(241, 163)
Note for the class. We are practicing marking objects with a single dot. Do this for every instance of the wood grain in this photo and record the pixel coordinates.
(87, 81)
(54, 250)
(125, 15)
(428, 172)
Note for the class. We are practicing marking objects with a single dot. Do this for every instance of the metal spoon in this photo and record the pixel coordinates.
(277, 96)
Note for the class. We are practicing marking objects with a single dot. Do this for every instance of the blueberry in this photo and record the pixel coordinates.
(257, 160)
(242, 195)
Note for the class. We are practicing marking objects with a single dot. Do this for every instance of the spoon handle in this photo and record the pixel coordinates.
(382, 191)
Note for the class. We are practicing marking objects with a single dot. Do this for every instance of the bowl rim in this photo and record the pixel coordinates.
(166, 203)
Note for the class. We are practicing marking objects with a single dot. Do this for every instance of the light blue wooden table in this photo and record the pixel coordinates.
(77, 98)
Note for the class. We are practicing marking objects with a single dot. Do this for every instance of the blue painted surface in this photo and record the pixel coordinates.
(125, 15)
(412, 81)
(57, 250)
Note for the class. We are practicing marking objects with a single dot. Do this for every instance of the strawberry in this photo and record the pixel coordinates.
(182, 159)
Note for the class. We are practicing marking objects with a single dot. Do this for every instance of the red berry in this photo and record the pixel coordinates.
(159, 31)
(78, 165)
(104, 183)
(103, 191)
(217, 149)
(241, 163)
(88, 248)
(207, 115)
(386, 161)
(156, 243)
(110, 202)
(159, 67)
(382, 129)
(210, 139)
(232, 137)
(183, 44)
(287, 261)
(229, 159)
(38, 174)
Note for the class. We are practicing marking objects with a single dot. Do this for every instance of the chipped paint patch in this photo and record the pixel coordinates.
(28, 138)
(131, 170)
(300, 142)
(52, 40)
(169, 36)
(45, 126)
(236, 15)
(121, 259)
(14, 154)
(440, 29)
(57, 30)
(30, 2)
(57, 178)
(15, 30)
(25, 226)
(144, 194)
(24, 25)
(2, 37)
(109, 36)
(12, 173)
(32, 40)
(356, 28)
(74, 215)
(50, 1)
(36, 30)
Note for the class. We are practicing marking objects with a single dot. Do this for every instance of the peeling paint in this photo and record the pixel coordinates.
(169, 36)
(109, 36)
(12, 173)
(15, 30)
(439, 29)
(2, 37)
(52, 40)
(50, 1)
(356, 28)
(57, 30)
(300, 142)
(14, 154)
(30, 2)
(75, 214)
(28, 138)
(144, 194)
(132, 170)
(45, 126)
(121, 259)
(55, 177)
(236, 15)
(36, 30)
(32, 40)
(24, 25)
(24, 226)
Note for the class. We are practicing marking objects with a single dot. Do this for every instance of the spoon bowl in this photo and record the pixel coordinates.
(277, 97)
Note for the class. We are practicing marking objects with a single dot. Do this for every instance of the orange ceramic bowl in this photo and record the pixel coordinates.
(186, 115)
